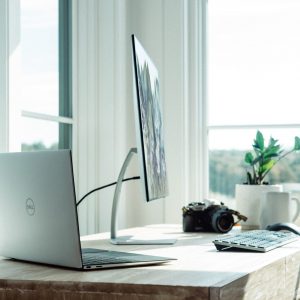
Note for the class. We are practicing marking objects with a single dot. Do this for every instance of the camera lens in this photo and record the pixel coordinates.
(222, 222)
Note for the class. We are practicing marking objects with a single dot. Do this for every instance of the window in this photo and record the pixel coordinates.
(253, 83)
(45, 75)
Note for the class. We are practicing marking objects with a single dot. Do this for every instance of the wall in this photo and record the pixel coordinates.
(103, 108)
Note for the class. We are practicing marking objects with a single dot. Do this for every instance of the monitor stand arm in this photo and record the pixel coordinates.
(113, 225)
(128, 240)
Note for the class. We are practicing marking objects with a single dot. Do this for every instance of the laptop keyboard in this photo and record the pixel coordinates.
(103, 257)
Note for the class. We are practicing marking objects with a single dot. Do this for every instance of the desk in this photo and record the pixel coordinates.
(199, 273)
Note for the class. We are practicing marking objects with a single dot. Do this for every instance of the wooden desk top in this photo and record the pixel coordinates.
(200, 272)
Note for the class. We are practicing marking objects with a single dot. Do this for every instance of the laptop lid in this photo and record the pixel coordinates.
(38, 216)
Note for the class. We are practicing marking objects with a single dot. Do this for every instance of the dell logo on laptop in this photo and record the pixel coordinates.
(30, 207)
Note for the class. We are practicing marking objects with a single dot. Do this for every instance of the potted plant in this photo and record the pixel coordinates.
(259, 163)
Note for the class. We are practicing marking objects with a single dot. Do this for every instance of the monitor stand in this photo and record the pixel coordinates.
(129, 240)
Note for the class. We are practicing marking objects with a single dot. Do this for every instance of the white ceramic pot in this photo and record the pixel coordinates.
(249, 202)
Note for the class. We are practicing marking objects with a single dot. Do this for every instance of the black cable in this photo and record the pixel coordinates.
(105, 186)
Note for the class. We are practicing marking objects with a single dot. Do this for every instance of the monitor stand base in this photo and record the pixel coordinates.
(131, 240)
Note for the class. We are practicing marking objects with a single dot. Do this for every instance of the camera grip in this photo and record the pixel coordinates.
(188, 223)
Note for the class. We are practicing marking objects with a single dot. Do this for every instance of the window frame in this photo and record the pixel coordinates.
(10, 113)
(4, 75)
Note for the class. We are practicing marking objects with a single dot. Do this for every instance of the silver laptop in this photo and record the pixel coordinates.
(38, 215)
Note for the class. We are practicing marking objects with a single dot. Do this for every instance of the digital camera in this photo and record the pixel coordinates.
(211, 217)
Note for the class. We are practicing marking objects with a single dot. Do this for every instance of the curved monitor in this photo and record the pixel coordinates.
(148, 124)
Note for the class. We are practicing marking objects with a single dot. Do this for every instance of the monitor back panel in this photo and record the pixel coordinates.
(38, 218)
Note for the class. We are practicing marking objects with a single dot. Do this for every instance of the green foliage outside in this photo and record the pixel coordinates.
(227, 168)
(38, 146)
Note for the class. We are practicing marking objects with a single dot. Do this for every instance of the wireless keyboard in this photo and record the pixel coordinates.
(256, 240)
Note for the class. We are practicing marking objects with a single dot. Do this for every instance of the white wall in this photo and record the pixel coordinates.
(104, 105)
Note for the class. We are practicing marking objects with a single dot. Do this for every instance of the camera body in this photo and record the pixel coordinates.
(210, 217)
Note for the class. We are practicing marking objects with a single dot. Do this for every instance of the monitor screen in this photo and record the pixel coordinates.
(149, 124)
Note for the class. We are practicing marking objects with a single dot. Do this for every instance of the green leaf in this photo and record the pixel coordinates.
(297, 143)
(270, 155)
(272, 142)
(260, 141)
(272, 151)
(267, 165)
(249, 158)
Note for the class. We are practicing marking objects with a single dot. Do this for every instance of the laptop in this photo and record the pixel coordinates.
(38, 215)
